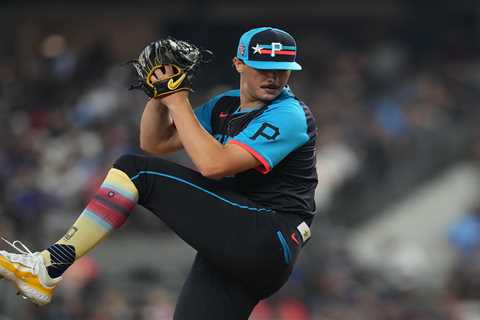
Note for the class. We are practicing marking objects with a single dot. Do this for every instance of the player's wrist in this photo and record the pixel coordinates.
(176, 100)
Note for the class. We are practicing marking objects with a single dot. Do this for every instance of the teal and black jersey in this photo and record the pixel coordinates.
(281, 135)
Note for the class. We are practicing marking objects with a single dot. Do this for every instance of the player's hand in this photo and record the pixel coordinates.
(162, 73)
(165, 72)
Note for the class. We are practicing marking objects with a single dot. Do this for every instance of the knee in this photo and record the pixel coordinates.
(131, 164)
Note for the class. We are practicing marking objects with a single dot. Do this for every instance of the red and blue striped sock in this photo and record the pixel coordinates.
(107, 210)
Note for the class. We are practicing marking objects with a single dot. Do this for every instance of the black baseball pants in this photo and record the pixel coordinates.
(245, 252)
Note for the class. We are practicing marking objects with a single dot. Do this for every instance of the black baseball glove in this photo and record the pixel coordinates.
(184, 58)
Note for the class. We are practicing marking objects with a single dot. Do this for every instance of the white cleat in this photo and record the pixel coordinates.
(28, 272)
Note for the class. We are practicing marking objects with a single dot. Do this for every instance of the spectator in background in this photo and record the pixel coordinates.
(465, 239)
(159, 305)
(465, 234)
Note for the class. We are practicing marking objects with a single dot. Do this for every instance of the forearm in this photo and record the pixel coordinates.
(157, 131)
(204, 151)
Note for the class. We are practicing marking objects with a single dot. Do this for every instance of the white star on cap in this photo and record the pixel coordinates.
(257, 49)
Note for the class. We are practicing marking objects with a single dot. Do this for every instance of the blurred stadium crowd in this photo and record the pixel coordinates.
(390, 116)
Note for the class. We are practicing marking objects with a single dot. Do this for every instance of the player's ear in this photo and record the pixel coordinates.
(238, 64)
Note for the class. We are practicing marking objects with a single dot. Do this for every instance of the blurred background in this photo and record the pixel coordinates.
(394, 85)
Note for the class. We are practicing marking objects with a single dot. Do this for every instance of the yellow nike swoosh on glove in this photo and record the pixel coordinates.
(172, 85)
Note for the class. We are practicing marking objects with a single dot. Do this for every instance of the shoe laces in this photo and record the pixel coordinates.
(19, 246)
(23, 249)
(34, 263)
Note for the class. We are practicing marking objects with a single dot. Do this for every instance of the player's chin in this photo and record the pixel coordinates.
(267, 94)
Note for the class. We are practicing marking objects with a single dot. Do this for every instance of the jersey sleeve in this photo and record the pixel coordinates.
(204, 113)
(273, 135)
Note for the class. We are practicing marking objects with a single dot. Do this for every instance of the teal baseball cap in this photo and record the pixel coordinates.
(268, 48)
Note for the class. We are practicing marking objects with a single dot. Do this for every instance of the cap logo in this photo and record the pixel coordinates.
(276, 46)
(241, 49)
(257, 49)
(273, 49)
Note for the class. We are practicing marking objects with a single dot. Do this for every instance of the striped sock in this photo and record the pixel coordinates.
(107, 210)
